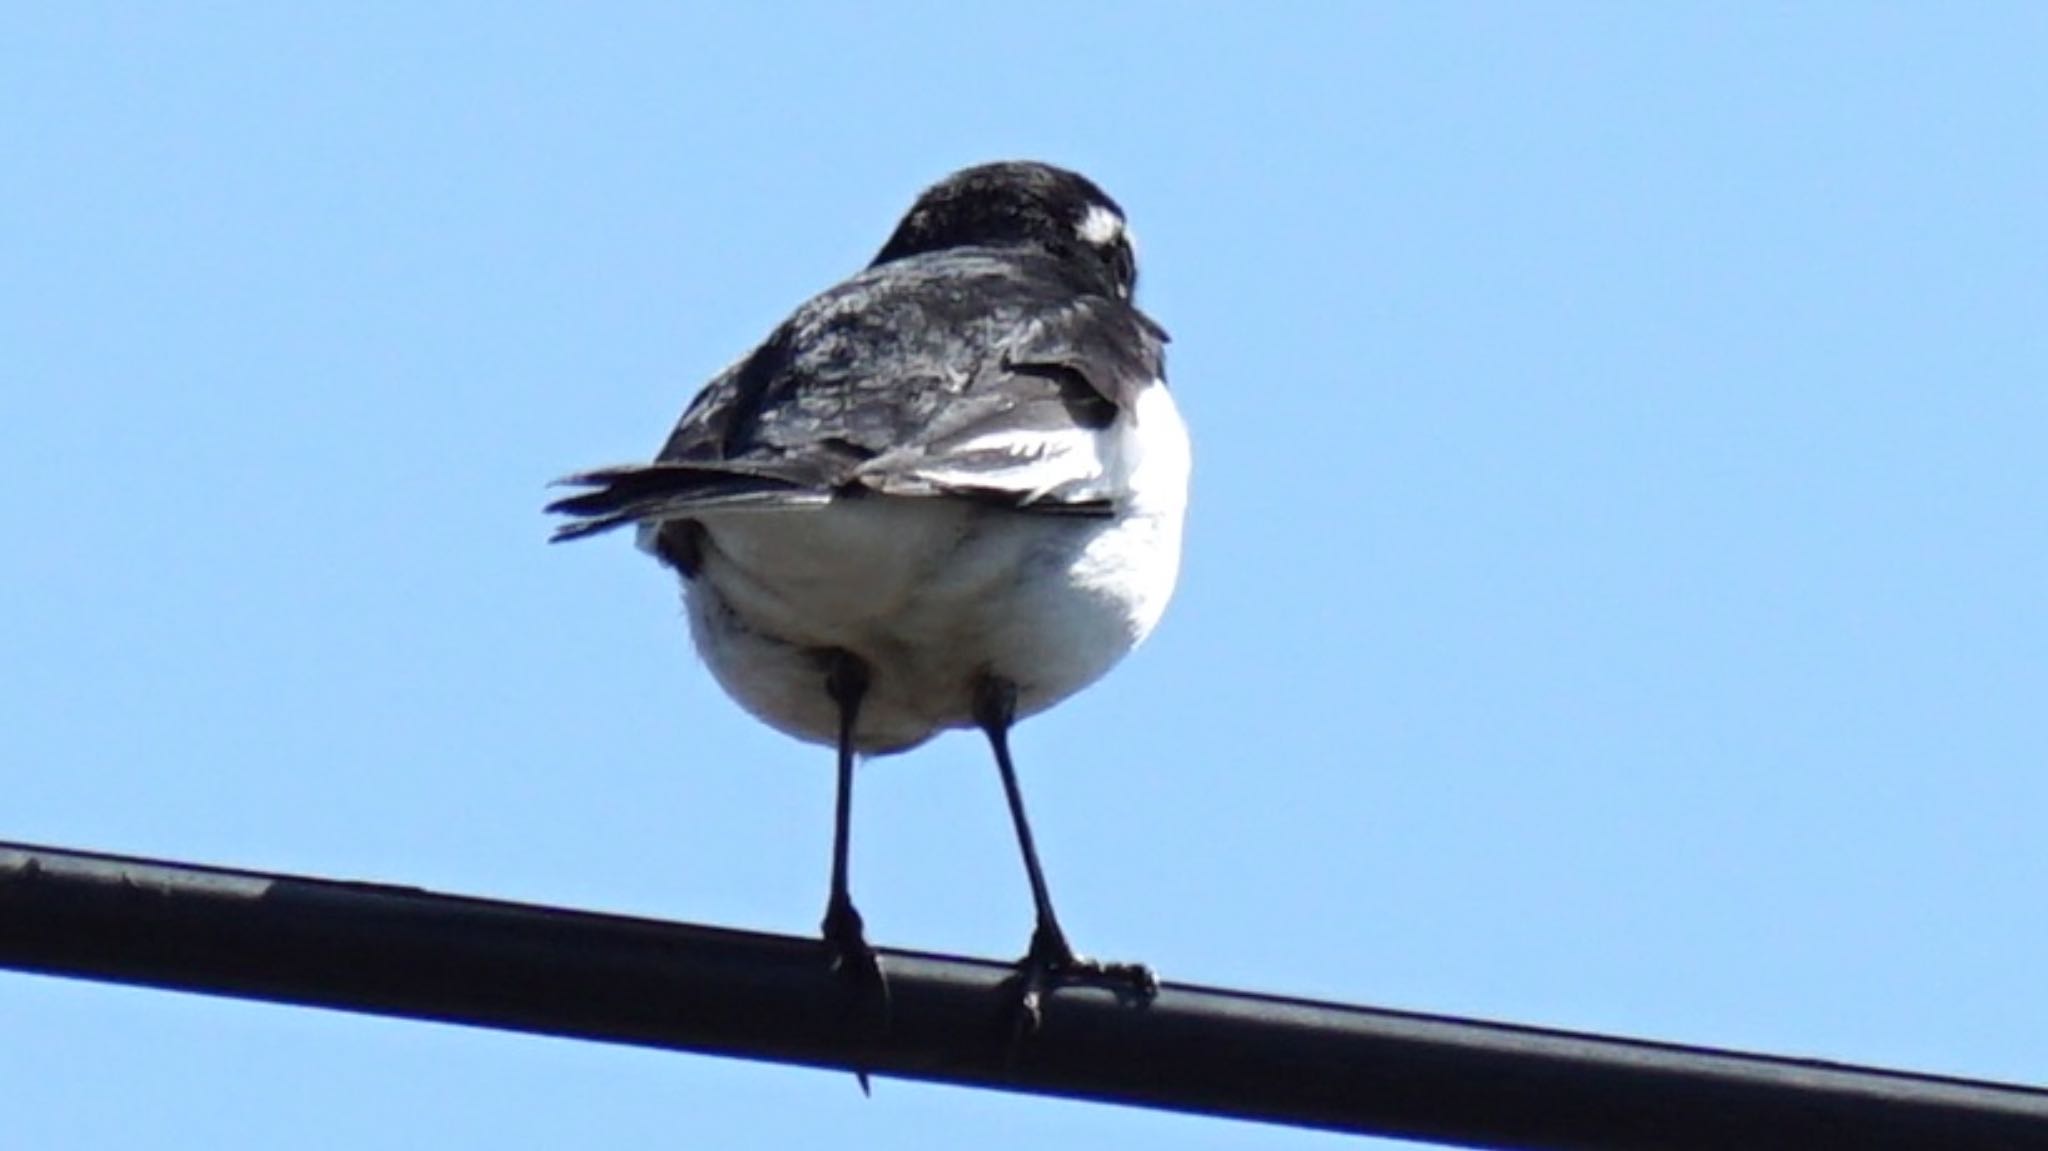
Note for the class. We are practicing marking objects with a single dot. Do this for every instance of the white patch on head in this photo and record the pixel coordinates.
(1100, 226)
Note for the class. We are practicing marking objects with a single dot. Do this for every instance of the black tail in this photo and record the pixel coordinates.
(641, 493)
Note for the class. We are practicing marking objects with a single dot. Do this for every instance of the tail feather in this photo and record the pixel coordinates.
(642, 493)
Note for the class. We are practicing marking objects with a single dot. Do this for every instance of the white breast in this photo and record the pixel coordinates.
(935, 592)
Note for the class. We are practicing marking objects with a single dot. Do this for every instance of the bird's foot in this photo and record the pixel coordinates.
(1051, 963)
(859, 967)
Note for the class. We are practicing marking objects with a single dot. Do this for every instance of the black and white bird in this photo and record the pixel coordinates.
(946, 493)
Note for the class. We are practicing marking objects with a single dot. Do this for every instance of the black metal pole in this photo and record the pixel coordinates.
(402, 951)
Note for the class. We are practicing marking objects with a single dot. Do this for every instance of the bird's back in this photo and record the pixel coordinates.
(968, 337)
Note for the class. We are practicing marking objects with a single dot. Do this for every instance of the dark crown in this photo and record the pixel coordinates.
(1022, 204)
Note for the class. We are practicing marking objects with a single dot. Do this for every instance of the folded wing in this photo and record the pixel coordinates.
(976, 376)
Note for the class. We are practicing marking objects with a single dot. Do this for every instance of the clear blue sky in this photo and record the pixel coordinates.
(1614, 592)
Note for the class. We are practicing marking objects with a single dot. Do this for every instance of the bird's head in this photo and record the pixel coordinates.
(1025, 204)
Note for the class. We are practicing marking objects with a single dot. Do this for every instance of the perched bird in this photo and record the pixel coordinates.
(946, 493)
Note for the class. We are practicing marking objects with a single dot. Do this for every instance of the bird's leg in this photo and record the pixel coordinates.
(1052, 959)
(846, 681)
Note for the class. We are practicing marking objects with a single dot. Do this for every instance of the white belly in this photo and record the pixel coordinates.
(934, 594)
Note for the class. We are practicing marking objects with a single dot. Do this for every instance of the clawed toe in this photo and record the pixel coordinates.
(859, 967)
(1051, 963)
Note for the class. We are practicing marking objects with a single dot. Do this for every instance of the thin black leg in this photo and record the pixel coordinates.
(846, 681)
(996, 710)
(1051, 959)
